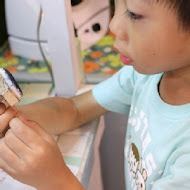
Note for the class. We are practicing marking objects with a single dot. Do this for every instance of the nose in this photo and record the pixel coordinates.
(118, 27)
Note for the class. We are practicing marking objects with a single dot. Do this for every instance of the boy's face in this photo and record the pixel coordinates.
(149, 35)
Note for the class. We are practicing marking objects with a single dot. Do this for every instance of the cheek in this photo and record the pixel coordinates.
(147, 48)
(144, 50)
(147, 57)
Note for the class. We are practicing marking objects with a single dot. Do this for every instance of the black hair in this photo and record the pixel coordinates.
(182, 9)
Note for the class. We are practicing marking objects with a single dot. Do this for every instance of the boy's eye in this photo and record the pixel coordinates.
(132, 15)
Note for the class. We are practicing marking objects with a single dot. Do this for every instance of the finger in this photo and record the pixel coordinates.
(6, 117)
(8, 156)
(17, 146)
(38, 129)
(2, 134)
(2, 108)
(4, 166)
(25, 133)
(3, 101)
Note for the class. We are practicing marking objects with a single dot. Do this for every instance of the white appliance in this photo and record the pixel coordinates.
(22, 21)
(56, 36)
(91, 19)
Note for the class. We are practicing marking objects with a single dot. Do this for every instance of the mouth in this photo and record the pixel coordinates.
(125, 59)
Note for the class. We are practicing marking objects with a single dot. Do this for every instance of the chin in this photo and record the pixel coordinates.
(141, 70)
(145, 71)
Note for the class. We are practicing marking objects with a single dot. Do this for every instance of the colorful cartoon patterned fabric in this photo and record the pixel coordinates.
(100, 59)
(15, 63)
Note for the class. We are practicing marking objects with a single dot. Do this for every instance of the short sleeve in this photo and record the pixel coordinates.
(115, 93)
(177, 177)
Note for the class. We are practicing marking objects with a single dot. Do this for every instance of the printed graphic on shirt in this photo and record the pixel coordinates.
(141, 162)
(137, 174)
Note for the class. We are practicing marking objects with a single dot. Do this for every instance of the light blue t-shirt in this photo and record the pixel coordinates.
(157, 148)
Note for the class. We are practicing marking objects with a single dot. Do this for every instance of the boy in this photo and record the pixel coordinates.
(153, 37)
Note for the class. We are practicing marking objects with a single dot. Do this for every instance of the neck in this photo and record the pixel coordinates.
(181, 75)
(175, 86)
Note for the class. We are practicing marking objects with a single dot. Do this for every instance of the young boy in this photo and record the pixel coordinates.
(153, 38)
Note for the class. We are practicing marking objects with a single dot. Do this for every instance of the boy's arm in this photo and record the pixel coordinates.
(58, 114)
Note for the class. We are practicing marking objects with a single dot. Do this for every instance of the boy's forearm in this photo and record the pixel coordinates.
(72, 184)
(63, 181)
(56, 114)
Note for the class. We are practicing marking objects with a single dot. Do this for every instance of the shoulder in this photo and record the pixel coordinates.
(128, 77)
(126, 80)
(115, 93)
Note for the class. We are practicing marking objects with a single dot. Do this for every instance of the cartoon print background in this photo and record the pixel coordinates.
(98, 59)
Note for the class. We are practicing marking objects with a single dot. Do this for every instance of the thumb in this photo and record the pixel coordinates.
(37, 128)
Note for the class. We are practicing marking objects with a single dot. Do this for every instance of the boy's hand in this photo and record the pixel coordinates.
(30, 155)
(6, 114)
